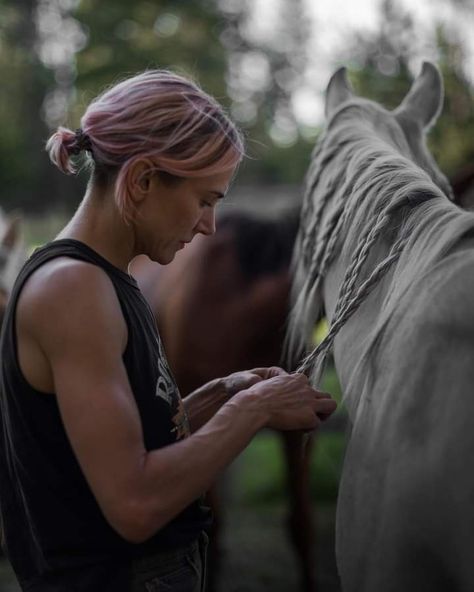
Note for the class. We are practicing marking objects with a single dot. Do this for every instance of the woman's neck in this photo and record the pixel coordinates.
(98, 224)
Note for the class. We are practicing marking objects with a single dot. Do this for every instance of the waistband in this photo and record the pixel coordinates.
(165, 558)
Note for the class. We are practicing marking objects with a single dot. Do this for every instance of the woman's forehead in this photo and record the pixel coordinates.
(217, 183)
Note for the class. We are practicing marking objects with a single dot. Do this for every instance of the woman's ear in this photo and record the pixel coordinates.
(139, 179)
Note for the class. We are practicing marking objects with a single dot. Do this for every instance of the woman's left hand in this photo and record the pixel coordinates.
(239, 381)
(205, 401)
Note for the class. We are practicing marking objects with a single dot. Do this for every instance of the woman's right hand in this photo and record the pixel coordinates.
(289, 402)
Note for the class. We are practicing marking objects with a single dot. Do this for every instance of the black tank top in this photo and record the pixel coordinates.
(51, 520)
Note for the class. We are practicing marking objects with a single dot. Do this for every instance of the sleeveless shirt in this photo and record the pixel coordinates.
(51, 520)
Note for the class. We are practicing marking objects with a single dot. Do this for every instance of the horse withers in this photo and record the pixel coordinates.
(390, 258)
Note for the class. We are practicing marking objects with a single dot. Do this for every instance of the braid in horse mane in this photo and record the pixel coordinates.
(315, 361)
(309, 212)
(317, 248)
(350, 297)
(310, 233)
(369, 237)
(316, 256)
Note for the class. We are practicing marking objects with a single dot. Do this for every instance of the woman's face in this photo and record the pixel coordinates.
(173, 213)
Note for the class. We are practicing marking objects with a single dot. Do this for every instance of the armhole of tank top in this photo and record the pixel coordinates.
(126, 349)
(12, 336)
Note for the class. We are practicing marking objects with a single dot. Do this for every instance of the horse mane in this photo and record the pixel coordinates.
(362, 188)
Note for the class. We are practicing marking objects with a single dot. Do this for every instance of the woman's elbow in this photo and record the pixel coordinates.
(134, 522)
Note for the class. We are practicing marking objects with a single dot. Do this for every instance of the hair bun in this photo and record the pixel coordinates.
(65, 143)
(81, 142)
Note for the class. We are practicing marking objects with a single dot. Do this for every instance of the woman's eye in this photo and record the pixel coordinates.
(206, 204)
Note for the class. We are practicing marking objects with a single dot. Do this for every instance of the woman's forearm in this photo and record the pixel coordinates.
(204, 402)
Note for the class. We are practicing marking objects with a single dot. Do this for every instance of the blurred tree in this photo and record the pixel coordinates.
(267, 55)
(24, 80)
(124, 38)
(37, 47)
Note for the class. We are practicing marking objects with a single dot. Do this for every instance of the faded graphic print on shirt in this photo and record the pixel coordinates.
(167, 390)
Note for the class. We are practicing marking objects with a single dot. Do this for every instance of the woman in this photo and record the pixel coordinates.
(103, 465)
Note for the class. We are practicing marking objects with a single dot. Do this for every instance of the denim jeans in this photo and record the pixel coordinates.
(183, 570)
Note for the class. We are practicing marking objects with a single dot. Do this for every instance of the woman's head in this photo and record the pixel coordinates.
(157, 116)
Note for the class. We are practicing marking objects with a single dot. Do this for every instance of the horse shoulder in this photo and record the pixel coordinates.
(429, 342)
(434, 416)
(445, 307)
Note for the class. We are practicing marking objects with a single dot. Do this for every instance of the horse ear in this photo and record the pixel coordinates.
(338, 91)
(425, 98)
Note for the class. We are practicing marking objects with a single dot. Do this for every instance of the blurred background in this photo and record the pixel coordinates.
(268, 62)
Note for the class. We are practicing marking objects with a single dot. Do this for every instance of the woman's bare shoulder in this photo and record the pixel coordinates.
(69, 295)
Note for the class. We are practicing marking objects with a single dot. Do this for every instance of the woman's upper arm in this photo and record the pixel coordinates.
(80, 327)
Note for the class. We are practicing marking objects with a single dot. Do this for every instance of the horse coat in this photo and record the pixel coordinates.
(390, 259)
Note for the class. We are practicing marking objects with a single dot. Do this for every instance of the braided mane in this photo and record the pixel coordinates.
(364, 190)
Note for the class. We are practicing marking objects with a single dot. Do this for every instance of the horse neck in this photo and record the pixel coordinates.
(432, 229)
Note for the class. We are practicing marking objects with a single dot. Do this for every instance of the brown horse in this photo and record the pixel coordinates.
(221, 306)
(463, 187)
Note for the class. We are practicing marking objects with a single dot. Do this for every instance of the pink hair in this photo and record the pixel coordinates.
(157, 115)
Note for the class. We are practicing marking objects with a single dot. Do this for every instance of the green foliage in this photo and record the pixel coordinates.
(262, 471)
(326, 466)
(24, 84)
(125, 38)
(452, 139)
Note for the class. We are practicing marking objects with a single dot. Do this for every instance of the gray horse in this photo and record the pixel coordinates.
(388, 256)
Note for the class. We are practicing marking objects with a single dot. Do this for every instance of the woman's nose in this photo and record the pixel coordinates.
(207, 222)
